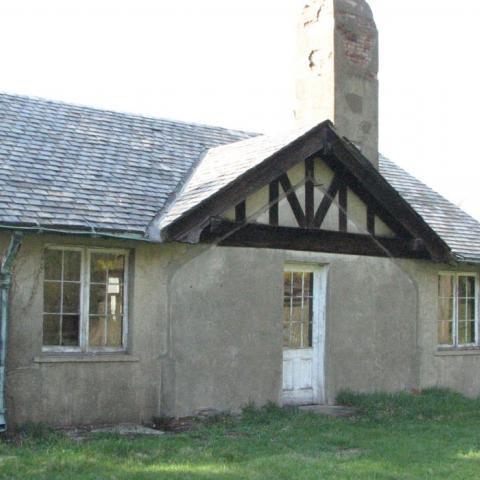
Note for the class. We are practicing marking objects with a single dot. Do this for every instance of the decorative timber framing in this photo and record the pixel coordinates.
(309, 191)
(273, 203)
(389, 202)
(327, 201)
(241, 212)
(293, 200)
(371, 220)
(414, 238)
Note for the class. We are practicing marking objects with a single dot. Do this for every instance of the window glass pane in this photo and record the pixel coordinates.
(445, 333)
(51, 297)
(471, 287)
(116, 268)
(470, 309)
(70, 330)
(471, 337)
(97, 299)
(96, 331)
(462, 287)
(296, 310)
(306, 335)
(296, 335)
(445, 286)
(72, 265)
(98, 267)
(297, 284)
(114, 331)
(462, 333)
(71, 298)
(51, 330)
(445, 309)
(53, 264)
(462, 309)
(103, 264)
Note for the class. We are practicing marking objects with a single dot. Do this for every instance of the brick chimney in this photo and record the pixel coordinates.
(337, 70)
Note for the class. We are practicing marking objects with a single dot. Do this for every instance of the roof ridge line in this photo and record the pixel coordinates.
(92, 108)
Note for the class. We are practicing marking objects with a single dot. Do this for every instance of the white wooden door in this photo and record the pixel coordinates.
(304, 334)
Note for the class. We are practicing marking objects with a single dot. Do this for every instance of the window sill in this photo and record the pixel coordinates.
(86, 358)
(447, 352)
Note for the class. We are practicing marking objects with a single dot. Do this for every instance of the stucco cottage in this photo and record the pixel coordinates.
(153, 267)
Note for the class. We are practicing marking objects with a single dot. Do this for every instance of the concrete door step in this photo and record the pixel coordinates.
(331, 410)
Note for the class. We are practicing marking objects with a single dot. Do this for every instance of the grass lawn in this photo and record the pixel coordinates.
(435, 435)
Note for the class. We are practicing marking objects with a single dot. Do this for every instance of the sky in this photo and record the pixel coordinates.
(231, 63)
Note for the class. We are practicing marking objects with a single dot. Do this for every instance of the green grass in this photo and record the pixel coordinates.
(433, 435)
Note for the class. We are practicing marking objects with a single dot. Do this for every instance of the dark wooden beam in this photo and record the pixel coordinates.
(241, 212)
(343, 208)
(285, 238)
(309, 191)
(273, 202)
(248, 183)
(371, 220)
(372, 181)
(326, 202)
(293, 200)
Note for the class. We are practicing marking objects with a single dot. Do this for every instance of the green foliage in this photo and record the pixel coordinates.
(431, 404)
(428, 435)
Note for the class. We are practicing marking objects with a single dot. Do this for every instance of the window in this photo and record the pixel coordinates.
(84, 298)
(298, 309)
(457, 309)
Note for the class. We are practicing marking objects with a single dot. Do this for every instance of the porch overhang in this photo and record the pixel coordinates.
(251, 235)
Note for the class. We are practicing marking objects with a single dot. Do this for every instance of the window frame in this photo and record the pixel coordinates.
(455, 320)
(85, 267)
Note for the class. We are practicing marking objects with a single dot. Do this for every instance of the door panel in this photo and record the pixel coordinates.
(303, 324)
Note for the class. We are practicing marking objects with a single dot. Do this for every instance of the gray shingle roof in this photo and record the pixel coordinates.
(221, 165)
(457, 229)
(79, 167)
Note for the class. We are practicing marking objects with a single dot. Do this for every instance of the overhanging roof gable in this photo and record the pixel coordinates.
(228, 174)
